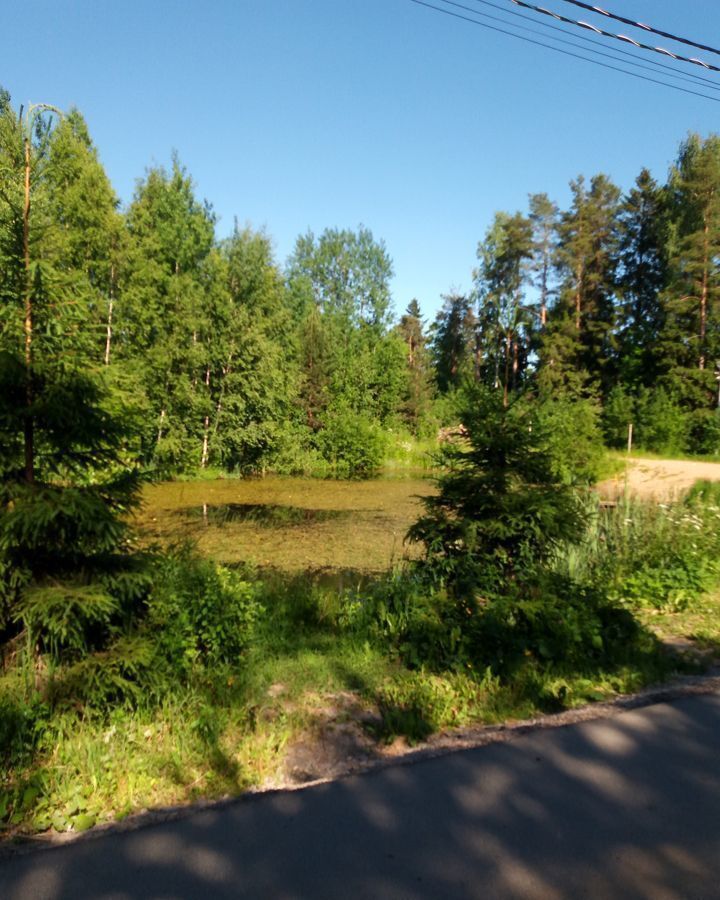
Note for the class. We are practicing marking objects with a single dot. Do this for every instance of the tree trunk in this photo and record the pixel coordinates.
(507, 369)
(206, 427)
(704, 298)
(578, 298)
(108, 337)
(160, 427)
(29, 428)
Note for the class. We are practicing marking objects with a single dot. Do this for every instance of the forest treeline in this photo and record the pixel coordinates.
(134, 342)
(223, 358)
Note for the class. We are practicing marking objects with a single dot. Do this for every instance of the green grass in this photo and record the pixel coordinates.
(224, 728)
(639, 453)
(219, 739)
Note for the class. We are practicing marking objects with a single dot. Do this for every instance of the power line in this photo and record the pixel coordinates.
(617, 37)
(670, 72)
(665, 34)
(596, 62)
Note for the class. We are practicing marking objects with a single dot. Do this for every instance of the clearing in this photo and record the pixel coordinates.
(659, 479)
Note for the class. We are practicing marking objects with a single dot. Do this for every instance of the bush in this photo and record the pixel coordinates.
(555, 621)
(704, 432)
(661, 425)
(572, 438)
(618, 412)
(200, 613)
(352, 443)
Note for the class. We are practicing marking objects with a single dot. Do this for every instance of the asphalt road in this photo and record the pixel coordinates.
(620, 808)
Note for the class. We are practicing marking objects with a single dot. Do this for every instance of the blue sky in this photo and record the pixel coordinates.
(297, 114)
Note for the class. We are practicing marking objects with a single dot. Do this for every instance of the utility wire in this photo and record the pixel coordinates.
(596, 62)
(664, 68)
(617, 37)
(665, 34)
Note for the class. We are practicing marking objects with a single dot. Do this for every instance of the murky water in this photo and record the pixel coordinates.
(290, 524)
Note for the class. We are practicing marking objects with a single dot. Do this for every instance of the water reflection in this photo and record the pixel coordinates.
(265, 515)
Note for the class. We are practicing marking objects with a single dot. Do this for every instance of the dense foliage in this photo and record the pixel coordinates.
(135, 344)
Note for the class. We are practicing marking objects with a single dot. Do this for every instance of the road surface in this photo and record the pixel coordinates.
(626, 807)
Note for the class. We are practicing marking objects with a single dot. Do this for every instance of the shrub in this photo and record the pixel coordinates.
(352, 443)
(704, 432)
(200, 613)
(572, 438)
(555, 621)
(618, 412)
(662, 426)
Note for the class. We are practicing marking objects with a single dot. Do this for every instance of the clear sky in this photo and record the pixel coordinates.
(297, 114)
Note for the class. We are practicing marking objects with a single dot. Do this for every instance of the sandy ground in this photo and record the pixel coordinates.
(660, 479)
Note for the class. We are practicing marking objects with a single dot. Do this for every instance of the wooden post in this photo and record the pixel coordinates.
(630, 437)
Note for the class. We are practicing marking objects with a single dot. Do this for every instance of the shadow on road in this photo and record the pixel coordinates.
(627, 807)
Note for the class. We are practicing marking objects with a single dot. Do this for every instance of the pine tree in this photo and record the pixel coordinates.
(579, 346)
(544, 219)
(690, 341)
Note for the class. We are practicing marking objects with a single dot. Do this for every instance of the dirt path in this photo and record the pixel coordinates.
(660, 479)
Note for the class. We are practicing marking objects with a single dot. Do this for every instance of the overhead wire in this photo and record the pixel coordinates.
(609, 52)
(666, 34)
(538, 43)
(618, 37)
(669, 70)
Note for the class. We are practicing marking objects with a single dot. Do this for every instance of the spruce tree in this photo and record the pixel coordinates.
(641, 277)
(503, 316)
(67, 573)
(454, 341)
(418, 392)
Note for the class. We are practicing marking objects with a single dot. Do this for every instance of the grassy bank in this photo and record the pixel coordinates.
(256, 678)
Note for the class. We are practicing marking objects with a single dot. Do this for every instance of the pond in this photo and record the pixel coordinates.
(289, 524)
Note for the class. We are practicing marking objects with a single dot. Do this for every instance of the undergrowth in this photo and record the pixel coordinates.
(230, 669)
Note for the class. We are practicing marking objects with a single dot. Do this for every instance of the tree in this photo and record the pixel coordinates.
(642, 275)
(67, 573)
(580, 335)
(251, 374)
(503, 318)
(690, 338)
(418, 391)
(163, 311)
(25, 169)
(346, 274)
(543, 217)
(500, 510)
(454, 341)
